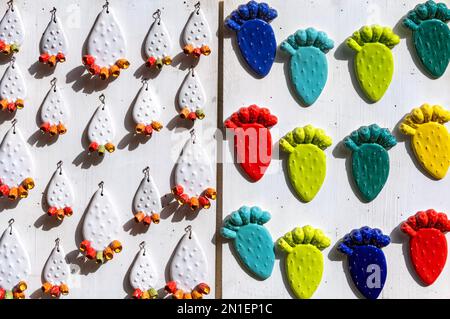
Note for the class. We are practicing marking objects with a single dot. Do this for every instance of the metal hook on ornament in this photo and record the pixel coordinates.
(53, 84)
(100, 185)
(188, 229)
(157, 16)
(57, 240)
(106, 5)
(146, 172)
(13, 124)
(59, 166)
(102, 100)
(53, 14)
(193, 136)
(13, 60)
(145, 83)
(142, 247)
(10, 4)
(197, 7)
(10, 223)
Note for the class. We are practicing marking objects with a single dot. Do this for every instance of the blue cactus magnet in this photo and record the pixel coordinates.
(308, 65)
(366, 260)
(252, 241)
(370, 159)
(255, 36)
(431, 35)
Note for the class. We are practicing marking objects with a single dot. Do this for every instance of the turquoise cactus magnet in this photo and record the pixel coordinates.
(370, 159)
(431, 35)
(252, 241)
(308, 64)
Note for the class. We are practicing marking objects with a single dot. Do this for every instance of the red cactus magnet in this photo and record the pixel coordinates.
(252, 139)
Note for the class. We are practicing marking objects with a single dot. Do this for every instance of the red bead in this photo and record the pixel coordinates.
(55, 291)
(148, 130)
(171, 287)
(61, 57)
(2, 44)
(68, 211)
(43, 58)
(88, 60)
(137, 294)
(184, 198)
(204, 202)
(45, 127)
(51, 211)
(178, 190)
(93, 147)
(4, 190)
(11, 107)
(90, 253)
(197, 52)
(2, 293)
(192, 116)
(151, 61)
(147, 220)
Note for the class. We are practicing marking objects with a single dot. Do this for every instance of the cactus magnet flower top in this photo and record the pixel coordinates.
(255, 36)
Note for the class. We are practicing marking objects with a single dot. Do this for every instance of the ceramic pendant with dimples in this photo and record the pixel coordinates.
(14, 265)
(13, 91)
(106, 46)
(16, 165)
(101, 228)
(12, 31)
(188, 269)
(192, 97)
(197, 35)
(147, 201)
(143, 275)
(158, 45)
(54, 112)
(147, 111)
(56, 273)
(60, 196)
(194, 176)
(53, 46)
(101, 130)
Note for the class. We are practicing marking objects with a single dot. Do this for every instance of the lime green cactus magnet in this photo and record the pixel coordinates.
(304, 259)
(307, 163)
(374, 63)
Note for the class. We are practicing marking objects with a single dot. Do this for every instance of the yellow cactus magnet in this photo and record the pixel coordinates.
(307, 163)
(430, 138)
(374, 63)
(304, 259)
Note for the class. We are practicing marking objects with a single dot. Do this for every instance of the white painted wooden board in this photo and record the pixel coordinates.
(122, 170)
(339, 110)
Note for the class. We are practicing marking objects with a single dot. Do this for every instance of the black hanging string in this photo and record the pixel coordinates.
(10, 223)
(145, 83)
(197, 7)
(57, 244)
(142, 247)
(106, 5)
(14, 125)
(11, 5)
(53, 14)
(59, 166)
(193, 136)
(157, 16)
(188, 229)
(53, 84)
(102, 99)
(146, 172)
(100, 185)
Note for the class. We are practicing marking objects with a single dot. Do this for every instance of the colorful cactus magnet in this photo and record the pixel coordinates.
(307, 163)
(194, 177)
(374, 63)
(304, 259)
(430, 138)
(158, 46)
(147, 201)
(370, 159)
(192, 97)
(431, 35)
(252, 241)
(196, 34)
(60, 196)
(13, 90)
(427, 244)
(366, 261)
(188, 269)
(54, 112)
(255, 36)
(14, 265)
(16, 166)
(101, 227)
(101, 130)
(53, 46)
(143, 275)
(308, 63)
(252, 139)
(12, 35)
(147, 111)
(56, 273)
(106, 47)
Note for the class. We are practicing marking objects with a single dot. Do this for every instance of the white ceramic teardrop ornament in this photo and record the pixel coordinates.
(13, 91)
(16, 165)
(192, 98)
(60, 195)
(147, 111)
(143, 274)
(53, 46)
(11, 31)
(101, 131)
(56, 272)
(14, 262)
(147, 201)
(101, 227)
(189, 267)
(193, 176)
(54, 112)
(197, 34)
(158, 46)
(106, 46)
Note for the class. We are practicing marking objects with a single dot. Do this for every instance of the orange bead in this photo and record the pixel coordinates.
(28, 183)
(211, 193)
(52, 60)
(116, 246)
(53, 130)
(140, 128)
(193, 203)
(205, 50)
(20, 104)
(184, 113)
(139, 217)
(156, 126)
(21, 286)
(104, 73)
(114, 70)
(60, 214)
(13, 193)
(188, 49)
(64, 289)
(178, 294)
(23, 192)
(123, 63)
(155, 218)
(187, 295)
(4, 104)
(61, 128)
(108, 253)
(18, 295)
(203, 288)
(46, 286)
(196, 295)
(110, 147)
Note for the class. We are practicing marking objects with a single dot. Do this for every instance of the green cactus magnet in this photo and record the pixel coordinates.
(307, 163)
(304, 259)
(374, 63)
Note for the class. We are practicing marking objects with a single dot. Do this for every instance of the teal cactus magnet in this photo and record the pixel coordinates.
(252, 241)
(308, 64)
(374, 63)
(370, 159)
(431, 35)
(307, 163)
